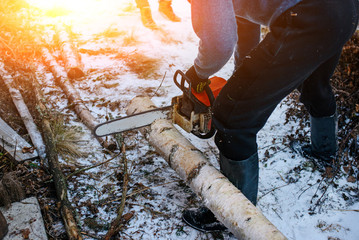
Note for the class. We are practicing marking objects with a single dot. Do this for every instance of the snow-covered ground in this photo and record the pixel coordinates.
(288, 188)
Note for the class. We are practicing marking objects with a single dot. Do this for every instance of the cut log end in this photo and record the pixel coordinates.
(75, 73)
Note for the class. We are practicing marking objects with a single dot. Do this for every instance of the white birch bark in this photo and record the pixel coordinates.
(70, 55)
(74, 97)
(21, 107)
(229, 205)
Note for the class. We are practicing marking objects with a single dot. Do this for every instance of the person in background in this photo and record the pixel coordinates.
(300, 52)
(165, 8)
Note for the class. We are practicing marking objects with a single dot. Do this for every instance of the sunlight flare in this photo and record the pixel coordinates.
(78, 8)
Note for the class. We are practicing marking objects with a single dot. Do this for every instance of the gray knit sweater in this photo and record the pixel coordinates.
(214, 23)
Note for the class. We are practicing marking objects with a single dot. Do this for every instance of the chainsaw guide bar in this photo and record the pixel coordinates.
(132, 122)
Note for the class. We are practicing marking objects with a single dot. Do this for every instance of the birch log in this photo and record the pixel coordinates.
(24, 113)
(74, 97)
(66, 209)
(70, 55)
(16, 147)
(229, 205)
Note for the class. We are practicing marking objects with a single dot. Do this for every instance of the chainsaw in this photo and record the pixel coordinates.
(191, 111)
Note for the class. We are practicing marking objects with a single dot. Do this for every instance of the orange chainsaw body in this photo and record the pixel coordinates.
(185, 115)
(217, 83)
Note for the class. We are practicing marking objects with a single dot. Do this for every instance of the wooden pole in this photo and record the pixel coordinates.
(74, 97)
(54, 166)
(24, 113)
(228, 204)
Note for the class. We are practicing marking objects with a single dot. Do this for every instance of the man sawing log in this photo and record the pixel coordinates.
(300, 52)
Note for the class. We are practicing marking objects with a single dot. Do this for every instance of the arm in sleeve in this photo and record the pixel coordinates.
(214, 23)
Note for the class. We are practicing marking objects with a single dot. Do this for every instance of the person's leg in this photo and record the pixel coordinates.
(316, 92)
(165, 8)
(319, 100)
(300, 41)
(248, 37)
(146, 14)
(142, 3)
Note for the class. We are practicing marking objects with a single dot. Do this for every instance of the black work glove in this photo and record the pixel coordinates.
(197, 83)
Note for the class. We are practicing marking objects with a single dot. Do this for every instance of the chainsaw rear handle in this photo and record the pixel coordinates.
(188, 92)
(182, 86)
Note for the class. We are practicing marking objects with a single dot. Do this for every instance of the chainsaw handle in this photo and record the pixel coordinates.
(183, 79)
(183, 88)
(209, 94)
(181, 85)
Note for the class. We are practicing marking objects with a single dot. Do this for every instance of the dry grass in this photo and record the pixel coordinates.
(145, 67)
(130, 39)
(166, 37)
(110, 32)
(130, 7)
(67, 140)
(100, 51)
(19, 43)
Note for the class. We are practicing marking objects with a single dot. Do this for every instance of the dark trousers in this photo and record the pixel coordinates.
(248, 38)
(300, 52)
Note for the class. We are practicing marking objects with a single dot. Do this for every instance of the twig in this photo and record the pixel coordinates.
(272, 190)
(139, 191)
(341, 149)
(347, 210)
(275, 210)
(320, 183)
(155, 93)
(325, 190)
(281, 177)
(306, 189)
(116, 224)
(147, 188)
(90, 235)
(88, 168)
(153, 212)
(12, 51)
(340, 91)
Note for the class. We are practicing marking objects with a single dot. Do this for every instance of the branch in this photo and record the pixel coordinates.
(118, 223)
(90, 167)
(55, 168)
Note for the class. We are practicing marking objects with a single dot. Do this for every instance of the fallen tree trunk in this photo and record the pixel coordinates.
(82, 111)
(54, 166)
(70, 55)
(16, 147)
(21, 107)
(229, 205)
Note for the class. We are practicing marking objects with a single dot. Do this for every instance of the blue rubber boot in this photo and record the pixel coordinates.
(324, 144)
(244, 175)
